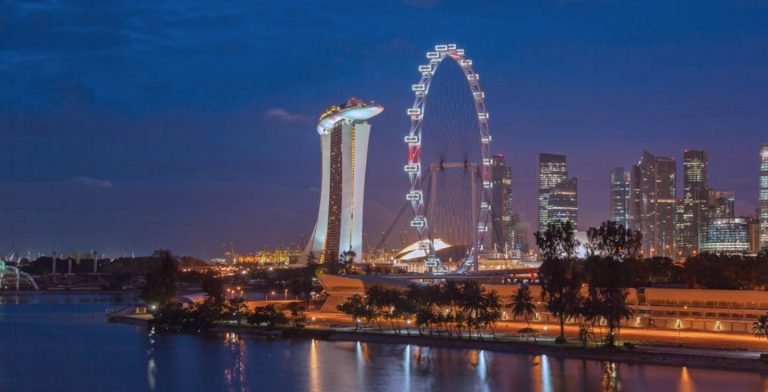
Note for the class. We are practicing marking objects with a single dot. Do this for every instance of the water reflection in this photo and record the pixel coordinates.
(610, 381)
(235, 375)
(126, 357)
(685, 380)
(314, 367)
(151, 366)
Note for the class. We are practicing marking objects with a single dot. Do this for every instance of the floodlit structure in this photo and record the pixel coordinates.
(448, 148)
(344, 133)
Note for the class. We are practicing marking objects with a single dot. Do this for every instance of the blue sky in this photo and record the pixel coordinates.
(127, 127)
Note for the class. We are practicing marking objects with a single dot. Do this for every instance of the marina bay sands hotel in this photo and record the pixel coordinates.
(344, 133)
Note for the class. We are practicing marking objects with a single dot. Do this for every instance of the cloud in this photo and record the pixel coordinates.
(91, 182)
(284, 116)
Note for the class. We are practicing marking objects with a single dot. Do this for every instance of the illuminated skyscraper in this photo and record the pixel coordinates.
(552, 170)
(726, 235)
(500, 201)
(344, 132)
(764, 197)
(619, 196)
(695, 205)
(562, 204)
(653, 204)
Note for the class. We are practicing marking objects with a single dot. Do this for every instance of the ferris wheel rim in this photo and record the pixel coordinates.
(414, 140)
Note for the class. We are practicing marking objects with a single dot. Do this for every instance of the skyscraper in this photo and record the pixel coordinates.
(764, 197)
(619, 196)
(653, 204)
(500, 196)
(552, 170)
(344, 132)
(722, 204)
(695, 204)
(562, 203)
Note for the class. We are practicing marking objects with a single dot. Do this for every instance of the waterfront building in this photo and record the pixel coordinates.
(695, 206)
(726, 235)
(653, 204)
(562, 203)
(619, 212)
(500, 201)
(344, 133)
(763, 216)
(552, 169)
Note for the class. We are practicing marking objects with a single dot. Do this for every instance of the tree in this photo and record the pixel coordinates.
(559, 274)
(558, 241)
(212, 286)
(490, 312)
(614, 240)
(296, 311)
(268, 315)
(523, 305)
(160, 281)
(760, 327)
(235, 309)
(358, 309)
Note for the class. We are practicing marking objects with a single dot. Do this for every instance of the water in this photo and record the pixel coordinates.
(62, 343)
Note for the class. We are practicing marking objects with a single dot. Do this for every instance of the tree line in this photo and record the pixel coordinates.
(453, 309)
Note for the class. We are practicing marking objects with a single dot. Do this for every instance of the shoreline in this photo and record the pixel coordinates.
(572, 352)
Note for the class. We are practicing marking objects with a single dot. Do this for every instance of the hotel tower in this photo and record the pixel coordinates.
(344, 132)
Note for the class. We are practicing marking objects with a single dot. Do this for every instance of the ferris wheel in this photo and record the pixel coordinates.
(449, 158)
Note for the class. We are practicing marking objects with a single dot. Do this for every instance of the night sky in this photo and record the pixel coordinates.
(126, 127)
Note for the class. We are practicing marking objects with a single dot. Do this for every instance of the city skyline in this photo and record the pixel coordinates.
(141, 154)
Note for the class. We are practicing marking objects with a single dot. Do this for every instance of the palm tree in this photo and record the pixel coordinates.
(760, 327)
(523, 305)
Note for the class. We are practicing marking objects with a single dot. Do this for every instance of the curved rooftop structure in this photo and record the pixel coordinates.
(353, 110)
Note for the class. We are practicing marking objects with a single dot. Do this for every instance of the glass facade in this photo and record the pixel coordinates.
(726, 235)
(562, 202)
(764, 197)
(501, 190)
(653, 204)
(619, 196)
(552, 170)
(695, 205)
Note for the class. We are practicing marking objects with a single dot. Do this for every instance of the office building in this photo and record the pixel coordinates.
(695, 206)
(619, 198)
(653, 204)
(552, 170)
(562, 203)
(726, 236)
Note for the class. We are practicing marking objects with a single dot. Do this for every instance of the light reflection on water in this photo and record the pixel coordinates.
(80, 352)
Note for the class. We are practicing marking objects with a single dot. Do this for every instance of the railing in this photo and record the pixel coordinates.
(117, 309)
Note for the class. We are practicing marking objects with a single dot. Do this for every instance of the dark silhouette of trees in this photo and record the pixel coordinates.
(559, 273)
(614, 240)
(609, 272)
(159, 285)
(450, 308)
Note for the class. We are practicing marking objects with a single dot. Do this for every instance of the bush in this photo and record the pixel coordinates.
(560, 340)
(764, 356)
(629, 346)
